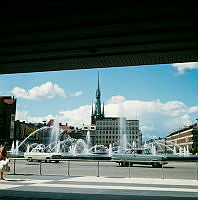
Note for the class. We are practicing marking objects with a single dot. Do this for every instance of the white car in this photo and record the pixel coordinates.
(139, 156)
(39, 154)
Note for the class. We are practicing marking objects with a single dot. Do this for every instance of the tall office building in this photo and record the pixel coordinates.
(7, 118)
(111, 130)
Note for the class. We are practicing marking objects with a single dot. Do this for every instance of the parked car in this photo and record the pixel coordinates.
(139, 156)
(39, 154)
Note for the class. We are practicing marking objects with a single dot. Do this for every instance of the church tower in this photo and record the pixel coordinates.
(98, 112)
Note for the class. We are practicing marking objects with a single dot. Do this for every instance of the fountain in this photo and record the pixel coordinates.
(110, 150)
(17, 147)
(88, 139)
(174, 150)
(70, 147)
(28, 148)
(54, 135)
(187, 151)
(12, 148)
(167, 147)
(123, 138)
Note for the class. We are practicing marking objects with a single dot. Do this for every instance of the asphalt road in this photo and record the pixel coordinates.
(173, 170)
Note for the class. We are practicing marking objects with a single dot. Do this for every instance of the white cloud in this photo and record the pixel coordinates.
(77, 117)
(47, 90)
(148, 137)
(22, 115)
(25, 116)
(182, 67)
(147, 128)
(156, 118)
(77, 94)
(116, 99)
(193, 109)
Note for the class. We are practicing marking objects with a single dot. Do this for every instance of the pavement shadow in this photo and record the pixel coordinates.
(18, 174)
(145, 166)
(31, 195)
(15, 180)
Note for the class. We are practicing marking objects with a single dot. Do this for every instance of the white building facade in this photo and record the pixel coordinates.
(110, 131)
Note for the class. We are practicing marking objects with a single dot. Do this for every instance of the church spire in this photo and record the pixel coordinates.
(103, 109)
(98, 103)
(98, 89)
(98, 112)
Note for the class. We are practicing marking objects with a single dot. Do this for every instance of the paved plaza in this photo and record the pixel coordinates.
(146, 183)
(92, 187)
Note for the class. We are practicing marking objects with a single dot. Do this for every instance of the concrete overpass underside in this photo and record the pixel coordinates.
(63, 35)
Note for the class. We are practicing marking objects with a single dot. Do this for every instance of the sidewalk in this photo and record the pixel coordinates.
(97, 188)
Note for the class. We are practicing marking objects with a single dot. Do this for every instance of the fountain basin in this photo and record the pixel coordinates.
(87, 156)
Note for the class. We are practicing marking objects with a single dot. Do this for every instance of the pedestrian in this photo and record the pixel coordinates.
(3, 156)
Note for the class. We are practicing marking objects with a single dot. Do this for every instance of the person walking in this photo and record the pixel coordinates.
(3, 156)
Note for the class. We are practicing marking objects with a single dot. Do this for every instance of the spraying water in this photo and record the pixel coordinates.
(123, 137)
(88, 139)
(110, 150)
(30, 136)
(54, 135)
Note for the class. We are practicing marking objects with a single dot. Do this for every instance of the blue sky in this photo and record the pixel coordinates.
(162, 97)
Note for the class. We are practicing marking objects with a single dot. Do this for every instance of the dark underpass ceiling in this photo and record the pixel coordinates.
(60, 35)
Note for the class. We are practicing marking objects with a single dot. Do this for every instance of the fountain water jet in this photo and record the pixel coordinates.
(88, 139)
(110, 150)
(123, 137)
(55, 133)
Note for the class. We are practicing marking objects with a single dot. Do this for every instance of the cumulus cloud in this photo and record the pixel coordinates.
(77, 94)
(182, 67)
(147, 137)
(156, 117)
(116, 100)
(77, 117)
(147, 128)
(22, 115)
(47, 90)
(25, 116)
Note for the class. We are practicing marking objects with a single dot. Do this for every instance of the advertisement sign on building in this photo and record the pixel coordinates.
(12, 126)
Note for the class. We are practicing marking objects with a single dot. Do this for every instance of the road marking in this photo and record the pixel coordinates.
(111, 187)
(134, 180)
(36, 181)
(8, 186)
(28, 180)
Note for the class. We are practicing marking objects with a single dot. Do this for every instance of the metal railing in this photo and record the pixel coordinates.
(67, 165)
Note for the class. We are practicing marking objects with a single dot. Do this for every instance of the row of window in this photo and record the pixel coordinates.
(116, 132)
(115, 123)
(115, 128)
(107, 142)
(116, 137)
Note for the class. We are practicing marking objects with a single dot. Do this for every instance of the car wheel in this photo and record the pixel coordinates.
(125, 164)
(156, 165)
(30, 159)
